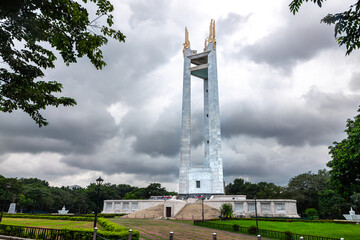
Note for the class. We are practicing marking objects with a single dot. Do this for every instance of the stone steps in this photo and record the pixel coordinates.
(155, 212)
(194, 211)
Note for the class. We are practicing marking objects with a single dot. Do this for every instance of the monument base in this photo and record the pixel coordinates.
(171, 206)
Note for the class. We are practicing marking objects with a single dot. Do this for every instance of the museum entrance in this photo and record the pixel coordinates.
(168, 211)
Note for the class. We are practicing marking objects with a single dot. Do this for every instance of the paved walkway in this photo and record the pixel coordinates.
(159, 229)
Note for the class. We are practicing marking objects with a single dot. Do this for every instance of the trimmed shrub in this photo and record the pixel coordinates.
(236, 227)
(252, 230)
(110, 226)
(311, 213)
(119, 235)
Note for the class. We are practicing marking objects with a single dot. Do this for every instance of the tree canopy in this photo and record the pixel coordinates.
(305, 188)
(345, 163)
(261, 190)
(31, 33)
(35, 195)
(347, 27)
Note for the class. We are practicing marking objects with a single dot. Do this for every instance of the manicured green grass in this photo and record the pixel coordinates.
(334, 230)
(47, 223)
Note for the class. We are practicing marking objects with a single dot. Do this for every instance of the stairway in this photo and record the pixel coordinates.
(193, 211)
(155, 212)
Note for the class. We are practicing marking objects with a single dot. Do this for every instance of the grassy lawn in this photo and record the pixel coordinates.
(334, 230)
(47, 223)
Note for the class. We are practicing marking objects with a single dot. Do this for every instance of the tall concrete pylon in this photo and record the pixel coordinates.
(208, 178)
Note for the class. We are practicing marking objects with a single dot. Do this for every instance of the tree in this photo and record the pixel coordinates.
(355, 201)
(40, 197)
(226, 210)
(24, 203)
(11, 193)
(240, 187)
(262, 190)
(122, 189)
(345, 163)
(347, 25)
(154, 189)
(26, 29)
(305, 188)
(268, 191)
(331, 204)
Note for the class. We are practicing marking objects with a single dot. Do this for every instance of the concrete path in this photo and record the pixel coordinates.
(159, 229)
(13, 238)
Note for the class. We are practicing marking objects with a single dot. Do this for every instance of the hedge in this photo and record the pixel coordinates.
(66, 233)
(111, 226)
(9, 215)
(53, 217)
(287, 220)
(112, 230)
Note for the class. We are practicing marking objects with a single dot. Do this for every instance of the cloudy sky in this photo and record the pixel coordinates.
(285, 87)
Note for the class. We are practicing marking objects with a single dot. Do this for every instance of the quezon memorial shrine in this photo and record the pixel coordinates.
(201, 188)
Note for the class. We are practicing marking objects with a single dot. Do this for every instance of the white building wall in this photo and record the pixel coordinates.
(242, 207)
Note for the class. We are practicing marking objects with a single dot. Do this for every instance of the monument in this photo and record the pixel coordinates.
(352, 216)
(12, 208)
(201, 186)
(206, 179)
(63, 210)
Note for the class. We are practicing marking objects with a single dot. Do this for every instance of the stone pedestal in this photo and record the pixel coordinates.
(12, 208)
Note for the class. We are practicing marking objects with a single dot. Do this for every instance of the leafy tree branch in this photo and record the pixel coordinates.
(64, 25)
(347, 28)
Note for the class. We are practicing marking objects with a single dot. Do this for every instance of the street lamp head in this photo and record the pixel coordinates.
(99, 181)
(8, 186)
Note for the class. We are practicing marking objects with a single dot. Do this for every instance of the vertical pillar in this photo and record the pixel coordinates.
(206, 124)
(185, 145)
(214, 123)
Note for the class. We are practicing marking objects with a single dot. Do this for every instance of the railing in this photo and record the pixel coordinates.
(262, 232)
(31, 232)
(57, 234)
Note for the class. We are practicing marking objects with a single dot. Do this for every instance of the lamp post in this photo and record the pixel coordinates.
(99, 181)
(257, 227)
(83, 204)
(202, 208)
(8, 186)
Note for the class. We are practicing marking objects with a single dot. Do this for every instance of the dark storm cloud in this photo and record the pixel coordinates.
(317, 122)
(146, 144)
(255, 164)
(88, 125)
(128, 162)
(159, 141)
(69, 131)
(300, 39)
(163, 138)
(265, 160)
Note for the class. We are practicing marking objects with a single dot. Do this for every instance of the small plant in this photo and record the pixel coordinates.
(226, 210)
(236, 227)
(252, 230)
(311, 213)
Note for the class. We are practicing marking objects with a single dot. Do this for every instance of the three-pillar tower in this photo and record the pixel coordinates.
(208, 178)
